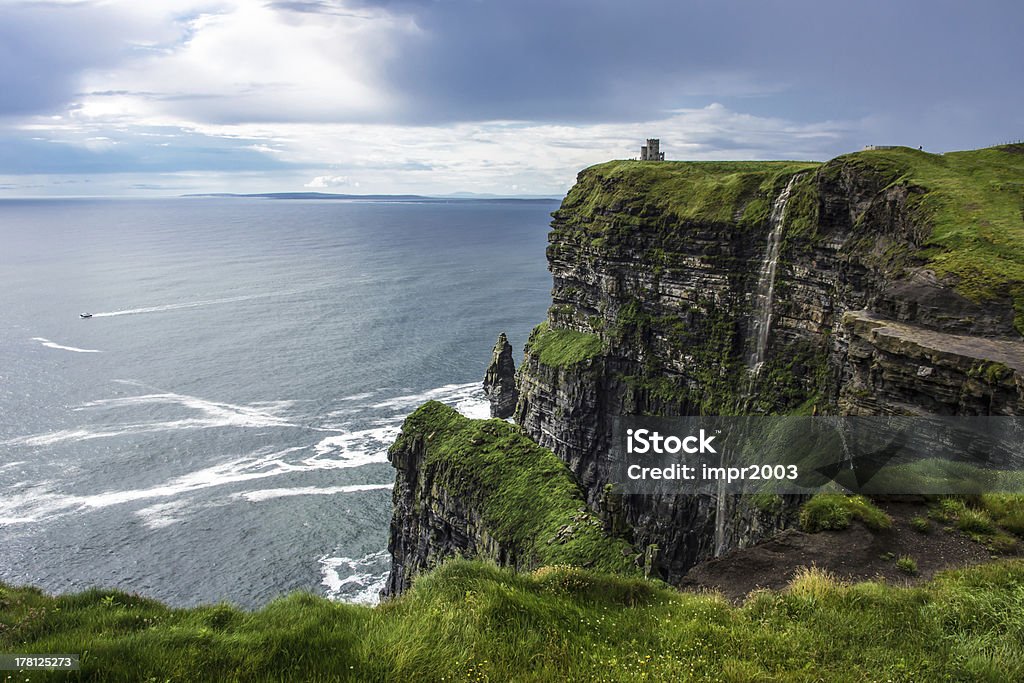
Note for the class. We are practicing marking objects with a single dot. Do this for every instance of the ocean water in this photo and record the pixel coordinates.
(218, 429)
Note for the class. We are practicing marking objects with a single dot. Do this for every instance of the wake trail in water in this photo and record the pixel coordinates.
(196, 304)
(54, 345)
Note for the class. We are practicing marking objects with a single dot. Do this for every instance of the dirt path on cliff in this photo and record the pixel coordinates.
(854, 554)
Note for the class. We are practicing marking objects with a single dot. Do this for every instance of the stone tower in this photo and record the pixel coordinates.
(651, 151)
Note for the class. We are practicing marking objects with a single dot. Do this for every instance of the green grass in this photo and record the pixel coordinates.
(562, 348)
(989, 519)
(704, 191)
(966, 207)
(907, 565)
(921, 525)
(972, 204)
(468, 621)
(834, 511)
(526, 498)
(1006, 510)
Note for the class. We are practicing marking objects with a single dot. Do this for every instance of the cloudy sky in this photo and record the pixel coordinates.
(131, 97)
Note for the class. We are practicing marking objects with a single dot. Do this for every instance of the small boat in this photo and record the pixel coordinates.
(85, 315)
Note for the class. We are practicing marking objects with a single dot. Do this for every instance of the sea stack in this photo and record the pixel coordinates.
(500, 380)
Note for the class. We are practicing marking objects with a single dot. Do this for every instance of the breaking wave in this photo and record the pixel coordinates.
(364, 577)
(346, 447)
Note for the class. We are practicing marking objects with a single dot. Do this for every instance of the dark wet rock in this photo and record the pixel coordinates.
(500, 380)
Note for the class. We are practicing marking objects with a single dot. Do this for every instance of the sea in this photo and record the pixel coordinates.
(217, 431)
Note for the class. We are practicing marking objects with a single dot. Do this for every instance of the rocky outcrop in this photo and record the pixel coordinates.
(500, 380)
(482, 489)
(899, 368)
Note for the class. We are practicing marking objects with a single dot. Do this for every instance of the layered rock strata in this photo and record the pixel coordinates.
(883, 282)
(670, 291)
(500, 380)
(482, 489)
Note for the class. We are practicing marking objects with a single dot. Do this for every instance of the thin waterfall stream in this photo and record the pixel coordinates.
(764, 296)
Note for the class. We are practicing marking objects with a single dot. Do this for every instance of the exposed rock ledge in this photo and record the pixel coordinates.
(897, 367)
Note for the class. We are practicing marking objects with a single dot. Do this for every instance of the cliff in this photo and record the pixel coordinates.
(882, 282)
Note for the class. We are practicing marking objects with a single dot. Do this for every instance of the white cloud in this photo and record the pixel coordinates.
(298, 89)
(485, 157)
(328, 181)
(248, 61)
(539, 158)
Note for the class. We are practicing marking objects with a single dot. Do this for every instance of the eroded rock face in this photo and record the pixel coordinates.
(500, 380)
(483, 489)
(904, 369)
(673, 299)
(428, 523)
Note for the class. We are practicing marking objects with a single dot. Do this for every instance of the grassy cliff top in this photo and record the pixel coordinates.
(562, 348)
(709, 191)
(525, 496)
(973, 204)
(467, 621)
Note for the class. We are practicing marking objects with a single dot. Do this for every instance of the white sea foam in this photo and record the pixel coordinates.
(54, 345)
(474, 408)
(362, 446)
(365, 578)
(211, 414)
(358, 397)
(449, 393)
(468, 399)
(43, 502)
(269, 494)
(262, 414)
(344, 448)
(162, 515)
(30, 504)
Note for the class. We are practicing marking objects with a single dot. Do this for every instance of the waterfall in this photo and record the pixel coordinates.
(765, 293)
(766, 278)
(720, 512)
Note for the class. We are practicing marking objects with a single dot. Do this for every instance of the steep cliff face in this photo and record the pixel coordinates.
(880, 282)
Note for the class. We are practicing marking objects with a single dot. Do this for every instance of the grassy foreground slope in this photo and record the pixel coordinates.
(468, 621)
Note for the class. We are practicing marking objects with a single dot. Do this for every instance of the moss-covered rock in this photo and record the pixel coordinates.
(481, 488)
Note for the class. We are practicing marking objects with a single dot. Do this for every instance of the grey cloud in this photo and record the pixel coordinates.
(313, 7)
(45, 47)
(132, 153)
(804, 60)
